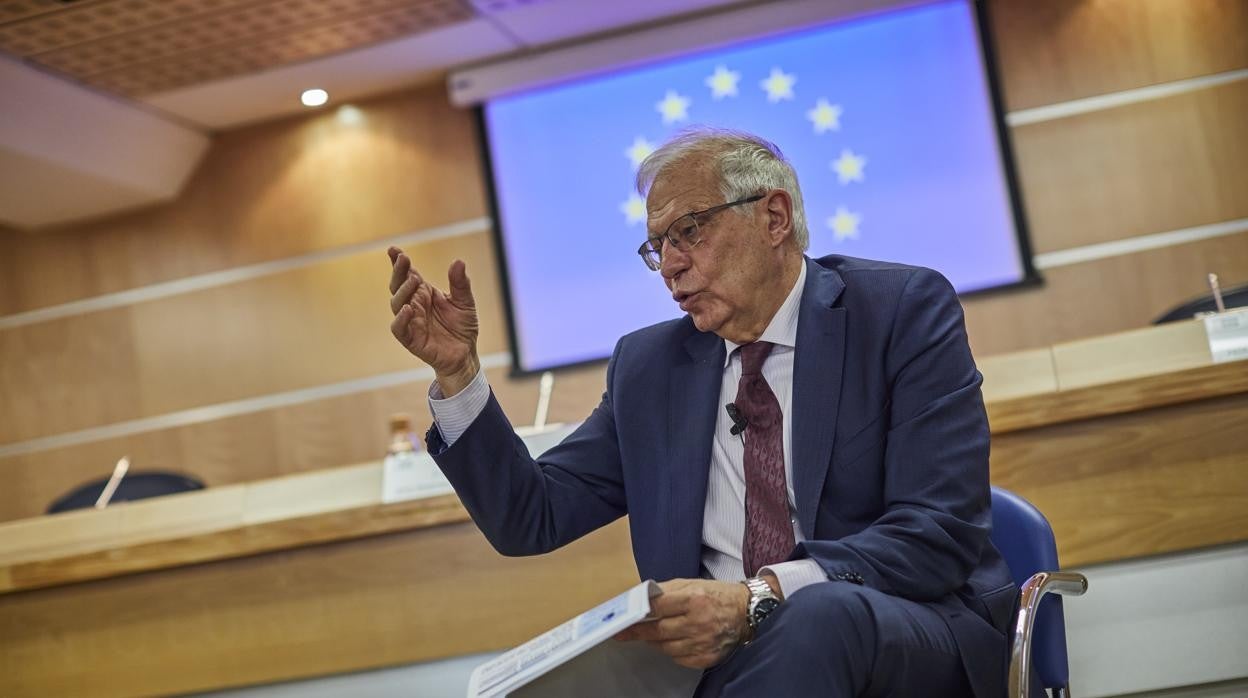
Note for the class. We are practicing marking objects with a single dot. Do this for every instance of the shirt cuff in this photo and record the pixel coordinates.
(453, 415)
(795, 574)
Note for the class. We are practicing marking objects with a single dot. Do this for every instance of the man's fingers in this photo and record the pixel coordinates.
(657, 631)
(461, 287)
(404, 293)
(668, 604)
(672, 628)
(398, 271)
(410, 325)
(402, 271)
(399, 325)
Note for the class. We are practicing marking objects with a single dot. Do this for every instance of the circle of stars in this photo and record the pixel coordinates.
(778, 86)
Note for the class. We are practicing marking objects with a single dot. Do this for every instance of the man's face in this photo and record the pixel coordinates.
(715, 281)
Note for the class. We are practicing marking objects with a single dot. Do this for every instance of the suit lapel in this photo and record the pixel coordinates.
(692, 405)
(817, 367)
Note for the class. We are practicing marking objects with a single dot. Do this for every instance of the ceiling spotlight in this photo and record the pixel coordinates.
(314, 97)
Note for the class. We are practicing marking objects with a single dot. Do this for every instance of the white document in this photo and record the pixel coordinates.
(411, 475)
(1228, 335)
(577, 658)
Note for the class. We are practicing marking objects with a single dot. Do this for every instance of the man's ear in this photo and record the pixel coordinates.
(779, 215)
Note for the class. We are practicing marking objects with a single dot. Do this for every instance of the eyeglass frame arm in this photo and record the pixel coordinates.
(1033, 590)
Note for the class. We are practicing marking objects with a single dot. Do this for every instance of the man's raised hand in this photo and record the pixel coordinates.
(438, 328)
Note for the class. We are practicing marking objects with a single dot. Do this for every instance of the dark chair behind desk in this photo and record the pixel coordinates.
(1025, 539)
(1236, 297)
(133, 486)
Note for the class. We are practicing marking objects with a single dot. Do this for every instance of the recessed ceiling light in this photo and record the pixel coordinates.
(314, 97)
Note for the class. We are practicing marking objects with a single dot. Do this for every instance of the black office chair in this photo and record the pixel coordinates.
(1236, 297)
(133, 487)
(1025, 540)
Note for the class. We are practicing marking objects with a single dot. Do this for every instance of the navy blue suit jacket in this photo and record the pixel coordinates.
(889, 439)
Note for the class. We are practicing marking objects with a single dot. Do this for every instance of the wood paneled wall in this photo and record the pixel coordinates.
(1059, 50)
(408, 162)
(395, 164)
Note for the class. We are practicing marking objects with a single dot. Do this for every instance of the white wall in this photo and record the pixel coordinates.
(1163, 622)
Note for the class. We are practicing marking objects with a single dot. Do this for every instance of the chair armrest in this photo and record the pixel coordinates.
(1034, 589)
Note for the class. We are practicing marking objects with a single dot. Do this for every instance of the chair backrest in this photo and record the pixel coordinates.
(1025, 539)
(133, 487)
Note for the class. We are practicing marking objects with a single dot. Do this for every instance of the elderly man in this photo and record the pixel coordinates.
(803, 457)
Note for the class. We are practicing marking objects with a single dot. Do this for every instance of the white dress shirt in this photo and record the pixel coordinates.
(723, 518)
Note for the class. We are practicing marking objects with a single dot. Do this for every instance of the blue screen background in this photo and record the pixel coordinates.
(914, 109)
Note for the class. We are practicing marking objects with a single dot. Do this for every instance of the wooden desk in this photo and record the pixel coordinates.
(1133, 444)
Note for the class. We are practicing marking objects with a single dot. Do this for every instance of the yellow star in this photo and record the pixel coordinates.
(844, 224)
(723, 82)
(634, 209)
(674, 107)
(639, 150)
(779, 85)
(849, 167)
(825, 116)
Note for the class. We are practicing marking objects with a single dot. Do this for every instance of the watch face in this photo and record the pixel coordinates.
(764, 607)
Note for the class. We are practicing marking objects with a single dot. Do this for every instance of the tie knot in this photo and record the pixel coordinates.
(753, 355)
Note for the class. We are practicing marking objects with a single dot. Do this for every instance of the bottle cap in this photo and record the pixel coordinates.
(400, 421)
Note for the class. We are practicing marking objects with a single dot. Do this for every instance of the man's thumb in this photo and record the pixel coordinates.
(461, 287)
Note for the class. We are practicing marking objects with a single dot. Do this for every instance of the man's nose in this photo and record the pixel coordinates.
(673, 261)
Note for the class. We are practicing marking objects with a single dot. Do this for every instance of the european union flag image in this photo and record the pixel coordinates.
(888, 120)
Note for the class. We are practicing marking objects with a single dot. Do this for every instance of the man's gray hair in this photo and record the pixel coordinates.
(744, 163)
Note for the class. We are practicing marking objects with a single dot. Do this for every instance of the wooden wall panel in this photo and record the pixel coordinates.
(320, 434)
(319, 324)
(1144, 168)
(401, 163)
(376, 602)
(1102, 296)
(8, 289)
(79, 372)
(1058, 50)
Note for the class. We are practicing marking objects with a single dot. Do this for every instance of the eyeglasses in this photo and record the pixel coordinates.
(683, 233)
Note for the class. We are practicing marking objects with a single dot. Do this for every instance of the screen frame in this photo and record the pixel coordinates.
(1031, 277)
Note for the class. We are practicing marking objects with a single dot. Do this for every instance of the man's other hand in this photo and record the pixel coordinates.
(699, 623)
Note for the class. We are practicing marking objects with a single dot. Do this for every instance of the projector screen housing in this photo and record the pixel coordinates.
(891, 118)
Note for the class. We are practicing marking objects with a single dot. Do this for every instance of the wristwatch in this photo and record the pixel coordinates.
(763, 602)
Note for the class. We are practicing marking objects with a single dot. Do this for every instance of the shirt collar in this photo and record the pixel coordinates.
(782, 330)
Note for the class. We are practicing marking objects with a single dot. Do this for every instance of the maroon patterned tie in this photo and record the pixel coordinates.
(768, 530)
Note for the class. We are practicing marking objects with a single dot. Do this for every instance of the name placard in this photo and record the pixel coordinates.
(1228, 335)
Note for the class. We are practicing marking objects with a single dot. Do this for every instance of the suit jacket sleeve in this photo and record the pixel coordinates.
(528, 506)
(935, 462)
